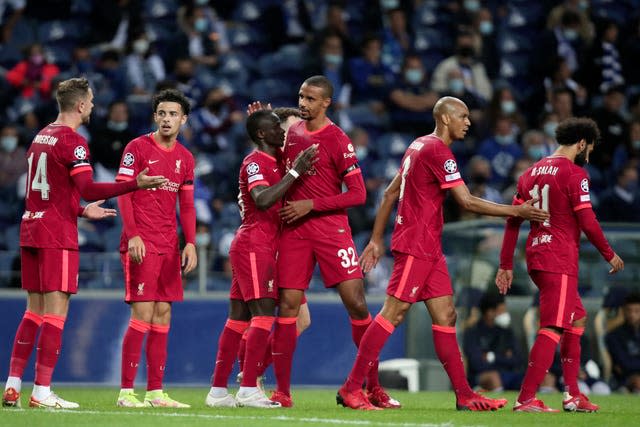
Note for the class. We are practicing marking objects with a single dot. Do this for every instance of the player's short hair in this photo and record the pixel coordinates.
(490, 300)
(321, 82)
(172, 95)
(71, 91)
(284, 113)
(256, 121)
(574, 129)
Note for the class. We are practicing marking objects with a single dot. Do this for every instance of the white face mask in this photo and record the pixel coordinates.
(503, 320)
(9, 143)
(140, 46)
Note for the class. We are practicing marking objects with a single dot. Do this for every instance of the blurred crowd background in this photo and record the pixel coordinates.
(521, 67)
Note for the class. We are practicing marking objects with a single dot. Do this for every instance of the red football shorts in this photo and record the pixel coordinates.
(414, 279)
(157, 278)
(560, 303)
(49, 270)
(336, 256)
(253, 275)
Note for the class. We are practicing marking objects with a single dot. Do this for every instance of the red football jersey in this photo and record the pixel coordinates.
(336, 157)
(428, 170)
(50, 219)
(259, 229)
(563, 189)
(155, 209)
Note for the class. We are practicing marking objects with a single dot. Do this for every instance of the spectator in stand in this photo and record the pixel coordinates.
(113, 23)
(12, 164)
(457, 88)
(332, 64)
(32, 76)
(113, 73)
(336, 24)
(502, 150)
(579, 7)
(489, 55)
(478, 175)
(212, 122)
(622, 202)
(474, 73)
(372, 80)
(184, 76)
(564, 40)
(503, 103)
(631, 56)
(561, 78)
(397, 39)
(603, 68)
(144, 67)
(199, 36)
(286, 22)
(548, 123)
(8, 19)
(623, 344)
(521, 165)
(493, 358)
(535, 145)
(411, 100)
(614, 127)
(562, 104)
(630, 150)
(108, 139)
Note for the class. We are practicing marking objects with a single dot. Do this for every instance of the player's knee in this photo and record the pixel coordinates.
(357, 308)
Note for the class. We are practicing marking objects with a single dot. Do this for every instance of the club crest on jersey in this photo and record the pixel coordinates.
(128, 159)
(80, 152)
(584, 185)
(450, 166)
(253, 168)
(141, 288)
(178, 162)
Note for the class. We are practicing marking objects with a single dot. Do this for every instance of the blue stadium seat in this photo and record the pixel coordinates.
(247, 11)
(160, 30)
(276, 91)
(247, 39)
(392, 144)
(288, 59)
(429, 39)
(155, 9)
(51, 32)
(12, 237)
(525, 14)
(511, 42)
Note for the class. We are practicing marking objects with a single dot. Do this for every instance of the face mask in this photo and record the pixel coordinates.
(201, 2)
(479, 179)
(9, 143)
(37, 59)
(390, 4)
(570, 34)
(201, 25)
(636, 144)
(333, 59)
(456, 86)
(550, 129)
(117, 126)
(581, 158)
(504, 139)
(486, 28)
(140, 46)
(465, 51)
(361, 152)
(508, 107)
(535, 152)
(203, 239)
(413, 76)
(472, 5)
(503, 320)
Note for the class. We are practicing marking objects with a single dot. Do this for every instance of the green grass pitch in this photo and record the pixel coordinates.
(313, 407)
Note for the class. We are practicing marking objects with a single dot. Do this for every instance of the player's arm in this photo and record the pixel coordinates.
(589, 224)
(375, 248)
(135, 245)
(480, 206)
(266, 196)
(90, 190)
(188, 223)
(94, 211)
(504, 276)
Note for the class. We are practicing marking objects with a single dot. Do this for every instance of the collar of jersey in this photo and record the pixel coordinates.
(308, 132)
(160, 146)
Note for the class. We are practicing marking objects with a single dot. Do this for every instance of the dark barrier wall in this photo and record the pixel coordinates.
(95, 326)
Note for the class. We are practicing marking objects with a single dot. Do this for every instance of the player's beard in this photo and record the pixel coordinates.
(581, 158)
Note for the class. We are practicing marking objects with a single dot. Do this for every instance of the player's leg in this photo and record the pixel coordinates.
(228, 342)
(139, 283)
(23, 344)
(570, 349)
(554, 318)
(58, 271)
(242, 351)
(304, 317)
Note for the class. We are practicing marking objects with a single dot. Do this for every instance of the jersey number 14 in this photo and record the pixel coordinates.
(39, 182)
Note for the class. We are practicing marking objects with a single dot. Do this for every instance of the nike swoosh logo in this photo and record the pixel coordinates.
(153, 161)
(23, 342)
(351, 271)
(275, 170)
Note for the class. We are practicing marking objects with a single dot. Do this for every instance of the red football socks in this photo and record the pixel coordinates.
(24, 342)
(570, 359)
(156, 355)
(257, 338)
(242, 350)
(358, 328)
(49, 345)
(369, 349)
(228, 344)
(284, 345)
(446, 345)
(267, 357)
(540, 359)
(131, 349)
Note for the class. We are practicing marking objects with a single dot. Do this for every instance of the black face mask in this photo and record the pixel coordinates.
(581, 158)
(479, 179)
(214, 106)
(465, 51)
(183, 78)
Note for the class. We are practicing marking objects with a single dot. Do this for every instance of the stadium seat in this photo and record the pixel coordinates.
(392, 144)
(155, 9)
(12, 237)
(275, 91)
(287, 60)
(51, 32)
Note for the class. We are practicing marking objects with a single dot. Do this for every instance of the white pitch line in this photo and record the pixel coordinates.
(331, 421)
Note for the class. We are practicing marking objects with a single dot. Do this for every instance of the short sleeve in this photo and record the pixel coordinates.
(129, 163)
(75, 154)
(256, 173)
(345, 156)
(187, 182)
(443, 165)
(578, 190)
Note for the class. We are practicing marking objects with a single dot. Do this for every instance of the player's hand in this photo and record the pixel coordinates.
(305, 159)
(94, 211)
(616, 264)
(528, 211)
(146, 181)
(504, 278)
(296, 209)
(137, 250)
(371, 255)
(189, 258)
(257, 106)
